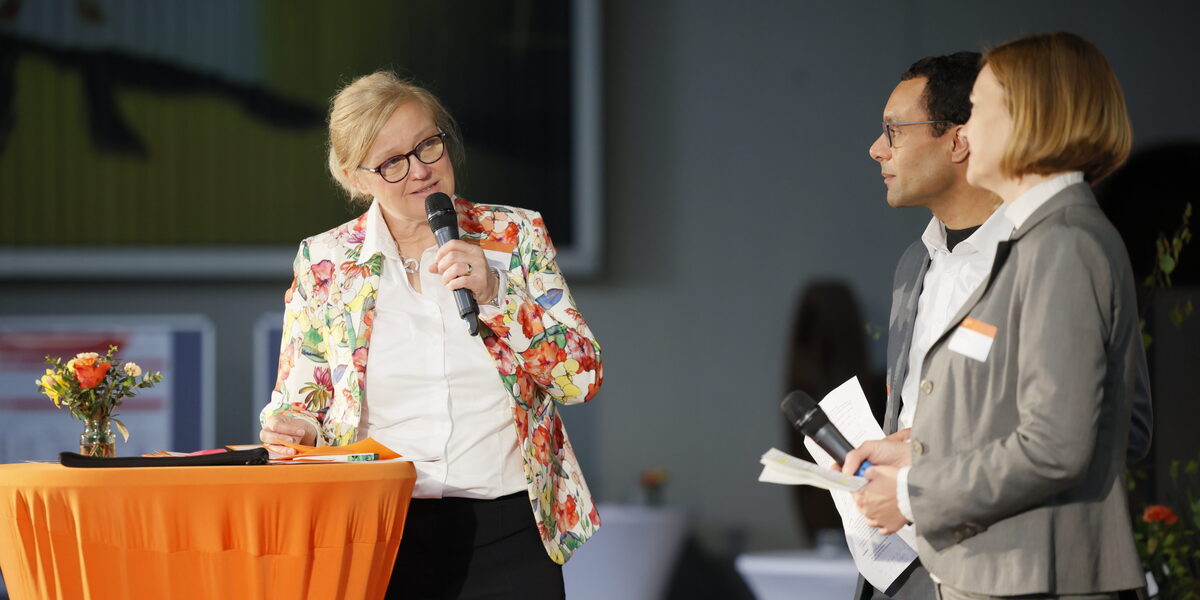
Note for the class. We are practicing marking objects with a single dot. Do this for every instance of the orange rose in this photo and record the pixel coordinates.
(89, 372)
(1159, 512)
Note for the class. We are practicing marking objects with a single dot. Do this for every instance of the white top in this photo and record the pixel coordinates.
(432, 389)
(951, 278)
(1036, 196)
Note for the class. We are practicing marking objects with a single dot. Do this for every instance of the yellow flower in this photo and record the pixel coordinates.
(132, 369)
(48, 385)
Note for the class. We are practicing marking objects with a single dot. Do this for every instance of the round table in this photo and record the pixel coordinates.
(251, 531)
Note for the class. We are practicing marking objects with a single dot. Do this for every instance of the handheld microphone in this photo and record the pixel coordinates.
(443, 221)
(807, 417)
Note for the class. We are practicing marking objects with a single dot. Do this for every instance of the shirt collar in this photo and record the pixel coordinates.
(994, 230)
(1036, 196)
(376, 237)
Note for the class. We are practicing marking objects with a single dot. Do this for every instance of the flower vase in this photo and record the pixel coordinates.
(98, 438)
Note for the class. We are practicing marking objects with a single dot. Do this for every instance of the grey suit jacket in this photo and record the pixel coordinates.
(906, 290)
(1017, 482)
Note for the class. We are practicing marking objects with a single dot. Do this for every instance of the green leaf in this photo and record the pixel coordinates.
(1176, 316)
(1147, 339)
(122, 428)
(1192, 467)
(1166, 264)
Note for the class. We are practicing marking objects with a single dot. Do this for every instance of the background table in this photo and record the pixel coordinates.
(263, 531)
(631, 557)
(793, 574)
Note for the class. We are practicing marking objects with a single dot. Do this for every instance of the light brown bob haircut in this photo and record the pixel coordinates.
(1066, 104)
(359, 110)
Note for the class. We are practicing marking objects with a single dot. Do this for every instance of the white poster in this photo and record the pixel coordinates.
(175, 414)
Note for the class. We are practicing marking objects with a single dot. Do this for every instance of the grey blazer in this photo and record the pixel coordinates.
(1017, 482)
(906, 290)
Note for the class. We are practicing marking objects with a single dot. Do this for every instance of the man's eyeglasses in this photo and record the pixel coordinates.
(888, 125)
(428, 151)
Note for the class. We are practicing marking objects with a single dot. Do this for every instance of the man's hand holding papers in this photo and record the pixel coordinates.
(877, 500)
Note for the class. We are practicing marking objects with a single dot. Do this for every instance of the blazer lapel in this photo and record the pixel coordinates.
(1075, 195)
(908, 299)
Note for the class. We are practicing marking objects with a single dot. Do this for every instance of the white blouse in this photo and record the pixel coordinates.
(432, 390)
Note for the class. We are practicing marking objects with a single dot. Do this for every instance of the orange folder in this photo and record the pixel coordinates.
(366, 446)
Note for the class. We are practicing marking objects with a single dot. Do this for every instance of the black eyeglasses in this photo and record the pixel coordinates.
(428, 151)
(888, 125)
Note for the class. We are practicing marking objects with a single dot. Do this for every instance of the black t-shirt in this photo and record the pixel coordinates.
(954, 236)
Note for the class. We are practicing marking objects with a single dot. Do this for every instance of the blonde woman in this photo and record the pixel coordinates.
(371, 308)
(1013, 477)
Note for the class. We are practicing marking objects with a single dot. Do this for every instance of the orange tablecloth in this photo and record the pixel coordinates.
(264, 531)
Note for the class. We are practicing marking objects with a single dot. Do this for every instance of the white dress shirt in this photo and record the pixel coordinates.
(432, 390)
(952, 276)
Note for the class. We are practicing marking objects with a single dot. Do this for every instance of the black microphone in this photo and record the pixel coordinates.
(444, 223)
(807, 417)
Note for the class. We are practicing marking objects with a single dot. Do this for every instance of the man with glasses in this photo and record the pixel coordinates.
(923, 154)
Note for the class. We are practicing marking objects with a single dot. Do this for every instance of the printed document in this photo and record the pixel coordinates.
(880, 558)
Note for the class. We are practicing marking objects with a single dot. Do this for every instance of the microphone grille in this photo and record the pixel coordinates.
(796, 405)
(439, 211)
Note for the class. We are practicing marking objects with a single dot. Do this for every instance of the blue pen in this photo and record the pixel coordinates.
(862, 469)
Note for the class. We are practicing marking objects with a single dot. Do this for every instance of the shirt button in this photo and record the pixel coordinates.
(918, 447)
(926, 387)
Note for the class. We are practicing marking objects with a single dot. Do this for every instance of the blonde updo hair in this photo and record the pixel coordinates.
(359, 110)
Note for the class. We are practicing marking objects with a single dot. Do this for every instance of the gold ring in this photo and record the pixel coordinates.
(469, 268)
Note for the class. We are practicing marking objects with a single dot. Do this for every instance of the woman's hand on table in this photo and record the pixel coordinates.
(463, 266)
(279, 429)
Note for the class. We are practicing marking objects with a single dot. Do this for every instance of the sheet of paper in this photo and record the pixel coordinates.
(880, 558)
(783, 468)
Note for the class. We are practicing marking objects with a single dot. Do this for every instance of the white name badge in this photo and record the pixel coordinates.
(973, 339)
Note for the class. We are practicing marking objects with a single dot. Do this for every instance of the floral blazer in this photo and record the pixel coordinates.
(543, 350)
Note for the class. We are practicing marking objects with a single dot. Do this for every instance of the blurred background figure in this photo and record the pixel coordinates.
(828, 345)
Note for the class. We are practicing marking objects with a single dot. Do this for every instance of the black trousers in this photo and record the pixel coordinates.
(465, 549)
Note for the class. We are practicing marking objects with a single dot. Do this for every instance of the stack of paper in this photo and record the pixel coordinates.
(781, 467)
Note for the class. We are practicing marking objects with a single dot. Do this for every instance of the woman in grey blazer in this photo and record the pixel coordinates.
(1013, 475)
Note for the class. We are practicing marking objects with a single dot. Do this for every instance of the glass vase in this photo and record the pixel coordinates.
(98, 438)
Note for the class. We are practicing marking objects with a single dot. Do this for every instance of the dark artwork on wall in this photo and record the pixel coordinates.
(190, 127)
